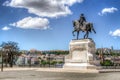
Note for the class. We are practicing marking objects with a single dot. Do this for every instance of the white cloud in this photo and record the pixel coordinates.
(32, 23)
(71, 2)
(6, 28)
(41, 8)
(107, 10)
(115, 33)
(44, 8)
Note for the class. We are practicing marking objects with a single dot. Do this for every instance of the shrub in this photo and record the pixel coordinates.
(60, 62)
(53, 62)
(106, 63)
(43, 62)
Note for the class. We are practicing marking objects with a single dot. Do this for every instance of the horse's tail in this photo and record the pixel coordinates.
(92, 28)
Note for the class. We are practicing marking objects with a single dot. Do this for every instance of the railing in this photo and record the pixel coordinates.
(31, 63)
(110, 67)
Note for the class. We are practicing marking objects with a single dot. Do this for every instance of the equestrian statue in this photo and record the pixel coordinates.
(84, 26)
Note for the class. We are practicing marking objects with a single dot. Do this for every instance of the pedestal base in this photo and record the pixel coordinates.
(81, 55)
(79, 66)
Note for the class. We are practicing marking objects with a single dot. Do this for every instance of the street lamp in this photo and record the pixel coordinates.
(1, 50)
(49, 59)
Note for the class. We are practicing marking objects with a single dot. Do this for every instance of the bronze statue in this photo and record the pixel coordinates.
(82, 25)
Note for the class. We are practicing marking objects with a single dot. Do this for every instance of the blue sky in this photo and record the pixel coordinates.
(47, 24)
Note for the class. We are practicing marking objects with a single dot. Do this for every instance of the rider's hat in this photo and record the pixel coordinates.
(82, 14)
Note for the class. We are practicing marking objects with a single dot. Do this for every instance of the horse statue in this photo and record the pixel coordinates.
(86, 27)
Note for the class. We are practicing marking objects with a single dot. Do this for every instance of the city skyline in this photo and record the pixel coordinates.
(47, 24)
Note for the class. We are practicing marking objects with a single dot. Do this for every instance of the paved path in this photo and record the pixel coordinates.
(53, 70)
(53, 74)
(62, 70)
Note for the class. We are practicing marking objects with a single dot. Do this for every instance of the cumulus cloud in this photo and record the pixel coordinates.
(41, 8)
(71, 2)
(115, 33)
(32, 23)
(44, 8)
(107, 10)
(6, 28)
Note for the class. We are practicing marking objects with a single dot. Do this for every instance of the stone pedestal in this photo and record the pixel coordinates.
(81, 54)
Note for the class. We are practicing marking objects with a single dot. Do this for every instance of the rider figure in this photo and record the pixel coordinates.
(82, 19)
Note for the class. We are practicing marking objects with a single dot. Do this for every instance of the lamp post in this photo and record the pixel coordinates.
(49, 59)
(1, 59)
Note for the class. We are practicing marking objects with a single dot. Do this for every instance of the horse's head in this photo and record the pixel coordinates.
(75, 23)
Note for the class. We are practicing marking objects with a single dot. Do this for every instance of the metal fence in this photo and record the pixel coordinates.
(36, 62)
(110, 67)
